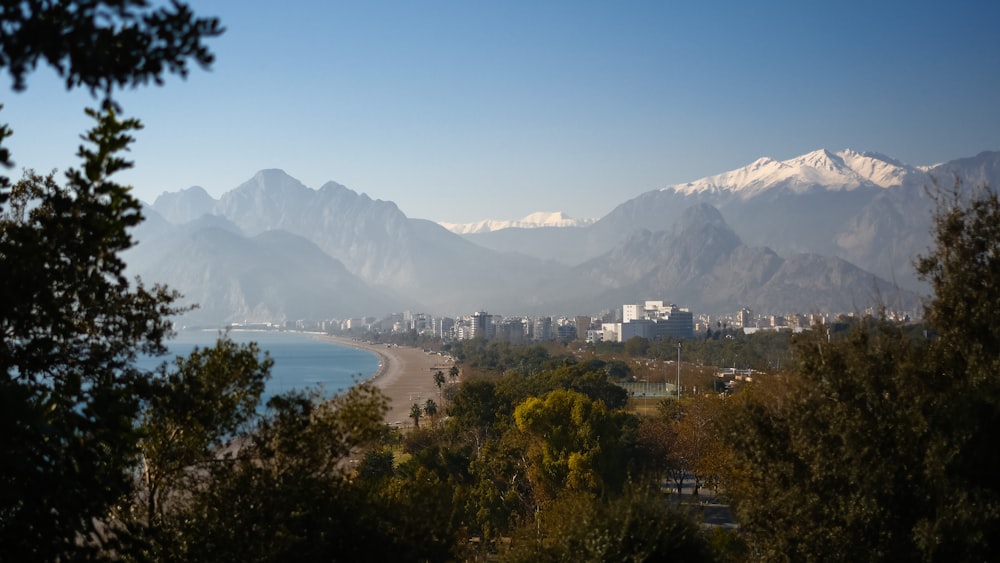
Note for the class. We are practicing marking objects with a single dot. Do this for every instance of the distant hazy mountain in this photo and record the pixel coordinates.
(532, 221)
(185, 205)
(866, 208)
(702, 262)
(233, 278)
(414, 259)
(826, 231)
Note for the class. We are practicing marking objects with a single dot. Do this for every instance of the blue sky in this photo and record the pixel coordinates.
(467, 110)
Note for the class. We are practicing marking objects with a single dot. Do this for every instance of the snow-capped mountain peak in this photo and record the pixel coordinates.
(532, 221)
(835, 171)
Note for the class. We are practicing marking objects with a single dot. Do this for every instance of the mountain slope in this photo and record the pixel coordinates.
(185, 205)
(410, 258)
(701, 263)
(818, 232)
(273, 276)
(866, 208)
(819, 170)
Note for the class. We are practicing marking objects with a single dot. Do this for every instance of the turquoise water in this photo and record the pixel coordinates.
(300, 360)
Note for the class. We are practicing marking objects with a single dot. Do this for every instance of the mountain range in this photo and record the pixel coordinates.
(532, 221)
(866, 208)
(824, 232)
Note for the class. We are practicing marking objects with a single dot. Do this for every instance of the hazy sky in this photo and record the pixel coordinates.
(467, 110)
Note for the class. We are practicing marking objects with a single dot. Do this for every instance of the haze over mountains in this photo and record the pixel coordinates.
(824, 232)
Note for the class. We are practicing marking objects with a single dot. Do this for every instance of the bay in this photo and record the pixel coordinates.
(301, 360)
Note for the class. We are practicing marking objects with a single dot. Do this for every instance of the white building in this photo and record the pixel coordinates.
(655, 319)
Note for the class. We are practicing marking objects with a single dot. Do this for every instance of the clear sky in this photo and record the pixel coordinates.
(474, 109)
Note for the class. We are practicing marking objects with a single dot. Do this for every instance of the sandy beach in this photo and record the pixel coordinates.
(405, 375)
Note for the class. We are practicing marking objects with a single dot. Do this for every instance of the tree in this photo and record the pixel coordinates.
(694, 450)
(431, 410)
(880, 446)
(102, 44)
(637, 347)
(829, 462)
(415, 413)
(576, 443)
(71, 324)
(453, 373)
(288, 493)
(635, 526)
(377, 464)
(963, 268)
(439, 380)
(206, 400)
(473, 409)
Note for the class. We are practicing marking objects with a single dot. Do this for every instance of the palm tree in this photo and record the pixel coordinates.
(415, 413)
(439, 380)
(431, 410)
(453, 372)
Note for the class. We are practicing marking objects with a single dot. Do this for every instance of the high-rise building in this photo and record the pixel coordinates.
(482, 325)
(542, 329)
(656, 319)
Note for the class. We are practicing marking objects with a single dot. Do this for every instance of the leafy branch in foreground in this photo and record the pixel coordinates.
(72, 326)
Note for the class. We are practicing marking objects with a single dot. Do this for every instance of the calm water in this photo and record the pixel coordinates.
(300, 360)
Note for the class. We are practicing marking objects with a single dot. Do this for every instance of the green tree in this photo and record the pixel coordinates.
(828, 462)
(415, 413)
(880, 446)
(637, 347)
(377, 464)
(204, 401)
(634, 526)
(963, 268)
(288, 493)
(71, 324)
(473, 410)
(576, 443)
(439, 380)
(431, 410)
(103, 44)
(453, 373)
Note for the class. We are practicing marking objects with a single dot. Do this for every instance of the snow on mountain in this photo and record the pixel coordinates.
(532, 221)
(835, 171)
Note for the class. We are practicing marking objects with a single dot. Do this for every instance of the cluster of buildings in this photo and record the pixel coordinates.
(650, 319)
(653, 319)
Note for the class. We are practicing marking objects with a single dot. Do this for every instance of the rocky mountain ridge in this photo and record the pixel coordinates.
(866, 208)
(267, 248)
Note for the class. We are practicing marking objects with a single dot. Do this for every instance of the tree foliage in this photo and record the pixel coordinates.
(879, 445)
(285, 494)
(635, 526)
(828, 460)
(102, 44)
(575, 443)
(71, 324)
(207, 399)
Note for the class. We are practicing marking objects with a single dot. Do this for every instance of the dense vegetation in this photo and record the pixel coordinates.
(869, 443)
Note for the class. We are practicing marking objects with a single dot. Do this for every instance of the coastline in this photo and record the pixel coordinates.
(405, 375)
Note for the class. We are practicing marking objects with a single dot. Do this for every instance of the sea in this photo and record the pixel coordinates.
(301, 360)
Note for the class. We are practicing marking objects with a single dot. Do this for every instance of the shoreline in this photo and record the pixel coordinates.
(405, 375)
